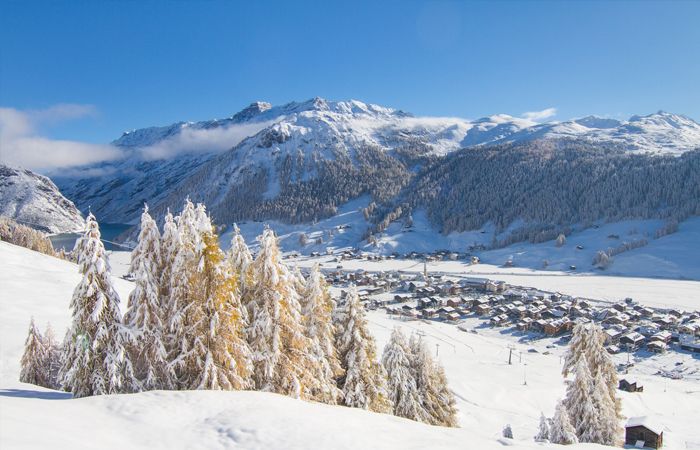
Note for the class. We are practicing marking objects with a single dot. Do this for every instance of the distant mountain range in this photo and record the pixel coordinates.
(299, 162)
(33, 200)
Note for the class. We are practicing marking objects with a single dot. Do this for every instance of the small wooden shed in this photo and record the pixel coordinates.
(643, 432)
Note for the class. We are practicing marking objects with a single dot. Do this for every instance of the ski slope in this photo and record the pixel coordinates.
(490, 392)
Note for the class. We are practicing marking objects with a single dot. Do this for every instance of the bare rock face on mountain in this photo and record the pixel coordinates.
(33, 200)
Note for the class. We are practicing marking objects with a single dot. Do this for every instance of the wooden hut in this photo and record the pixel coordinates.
(643, 432)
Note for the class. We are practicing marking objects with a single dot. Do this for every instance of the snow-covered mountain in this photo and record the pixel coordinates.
(258, 163)
(658, 133)
(33, 200)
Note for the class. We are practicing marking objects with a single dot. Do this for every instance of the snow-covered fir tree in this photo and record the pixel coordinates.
(53, 357)
(34, 359)
(508, 432)
(364, 383)
(317, 307)
(95, 360)
(578, 348)
(436, 397)
(240, 260)
(276, 333)
(169, 246)
(182, 310)
(580, 404)
(562, 432)
(543, 431)
(402, 387)
(220, 356)
(145, 310)
(587, 344)
(604, 372)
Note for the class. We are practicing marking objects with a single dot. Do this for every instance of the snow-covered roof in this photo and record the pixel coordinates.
(646, 422)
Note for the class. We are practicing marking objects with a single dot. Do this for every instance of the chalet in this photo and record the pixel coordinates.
(452, 317)
(499, 320)
(445, 311)
(538, 325)
(643, 432)
(558, 326)
(430, 302)
(648, 329)
(612, 335)
(692, 328)
(454, 302)
(657, 346)
(483, 309)
(690, 344)
(402, 298)
(620, 307)
(646, 312)
(665, 323)
(524, 324)
(632, 341)
(629, 385)
(613, 349)
(429, 313)
(675, 313)
(662, 336)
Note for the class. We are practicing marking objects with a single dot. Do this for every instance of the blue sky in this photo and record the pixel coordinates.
(141, 63)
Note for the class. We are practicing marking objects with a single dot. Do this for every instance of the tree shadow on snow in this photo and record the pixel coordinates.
(44, 395)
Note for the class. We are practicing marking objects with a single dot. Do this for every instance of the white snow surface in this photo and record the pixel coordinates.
(672, 256)
(490, 392)
(33, 200)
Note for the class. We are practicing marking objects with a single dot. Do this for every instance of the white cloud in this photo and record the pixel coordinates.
(196, 140)
(540, 115)
(22, 145)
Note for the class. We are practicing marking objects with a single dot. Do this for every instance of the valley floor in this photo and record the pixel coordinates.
(490, 392)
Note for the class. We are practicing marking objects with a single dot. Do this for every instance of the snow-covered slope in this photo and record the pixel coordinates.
(290, 143)
(33, 200)
(490, 393)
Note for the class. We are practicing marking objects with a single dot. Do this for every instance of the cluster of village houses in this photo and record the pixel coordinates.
(628, 326)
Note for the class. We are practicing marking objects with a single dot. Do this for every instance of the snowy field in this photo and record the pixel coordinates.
(671, 257)
(490, 392)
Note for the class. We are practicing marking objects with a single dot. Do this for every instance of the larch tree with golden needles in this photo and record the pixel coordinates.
(220, 345)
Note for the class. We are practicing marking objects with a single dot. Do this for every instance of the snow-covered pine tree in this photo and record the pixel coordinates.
(562, 432)
(402, 387)
(220, 350)
(507, 432)
(578, 348)
(580, 405)
(240, 260)
(34, 358)
(53, 357)
(436, 397)
(364, 383)
(95, 360)
(145, 310)
(609, 431)
(169, 246)
(543, 431)
(183, 312)
(276, 333)
(602, 366)
(317, 306)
